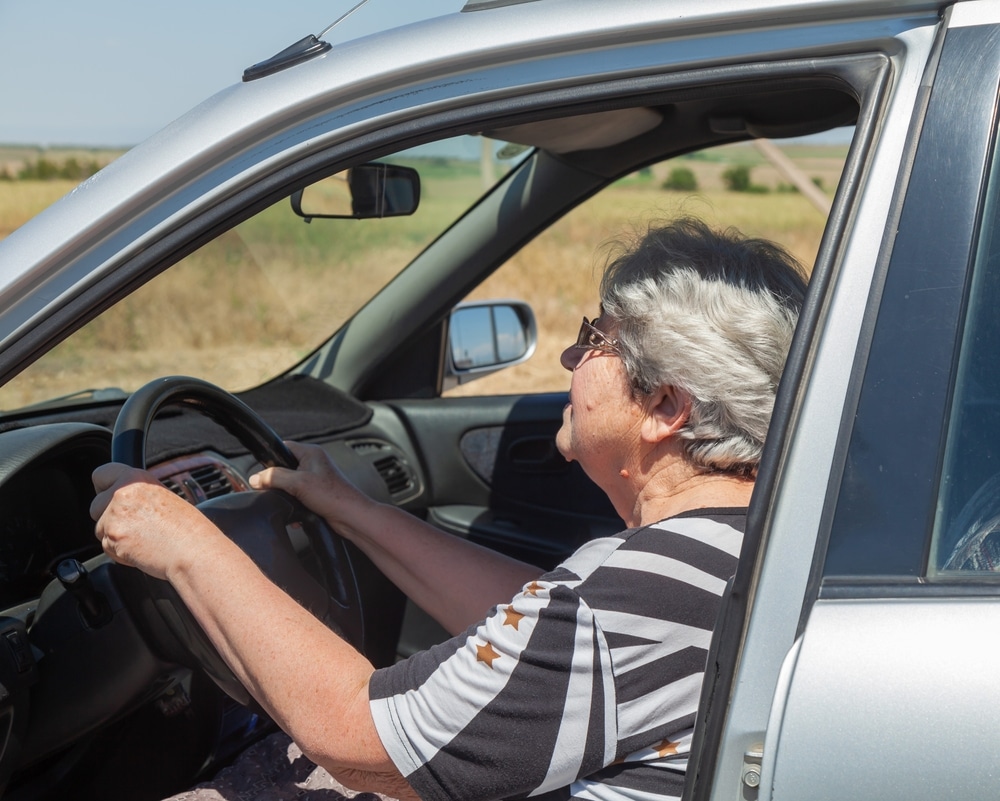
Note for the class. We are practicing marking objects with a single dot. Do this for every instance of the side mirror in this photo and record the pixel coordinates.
(487, 336)
(364, 192)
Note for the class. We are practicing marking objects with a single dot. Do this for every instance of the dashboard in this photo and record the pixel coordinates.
(45, 504)
(45, 470)
(45, 507)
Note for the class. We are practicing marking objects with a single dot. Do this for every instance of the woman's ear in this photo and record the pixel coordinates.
(667, 411)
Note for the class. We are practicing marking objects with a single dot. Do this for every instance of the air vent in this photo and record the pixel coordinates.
(199, 478)
(212, 481)
(398, 476)
(174, 487)
(394, 473)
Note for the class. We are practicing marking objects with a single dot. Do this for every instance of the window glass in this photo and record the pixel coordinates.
(967, 524)
(256, 300)
(735, 185)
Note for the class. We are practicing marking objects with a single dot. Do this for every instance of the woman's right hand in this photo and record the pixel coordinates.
(318, 483)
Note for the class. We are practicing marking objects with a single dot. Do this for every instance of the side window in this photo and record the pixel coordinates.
(895, 504)
(734, 185)
(967, 524)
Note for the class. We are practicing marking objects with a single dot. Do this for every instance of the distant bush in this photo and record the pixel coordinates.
(737, 179)
(41, 170)
(76, 171)
(788, 188)
(47, 170)
(681, 179)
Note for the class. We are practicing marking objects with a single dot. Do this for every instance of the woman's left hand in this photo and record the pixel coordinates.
(142, 524)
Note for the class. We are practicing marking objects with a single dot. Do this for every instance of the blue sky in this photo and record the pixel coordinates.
(112, 72)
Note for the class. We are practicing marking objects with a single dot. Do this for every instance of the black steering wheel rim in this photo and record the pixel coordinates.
(128, 444)
(266, 515)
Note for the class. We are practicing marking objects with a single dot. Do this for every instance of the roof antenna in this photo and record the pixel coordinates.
(302, 50)
(341, 18)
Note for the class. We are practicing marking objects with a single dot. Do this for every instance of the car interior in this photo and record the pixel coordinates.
(109, 689)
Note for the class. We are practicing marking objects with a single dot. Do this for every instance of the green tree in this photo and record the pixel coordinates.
(681, 179)
(737, 179)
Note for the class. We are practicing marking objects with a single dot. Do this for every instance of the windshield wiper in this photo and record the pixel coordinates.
(75, 398)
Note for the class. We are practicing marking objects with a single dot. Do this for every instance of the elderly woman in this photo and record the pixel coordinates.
(583, 681)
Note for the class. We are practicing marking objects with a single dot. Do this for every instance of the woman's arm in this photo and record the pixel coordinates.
(310, 681)
(455, 581)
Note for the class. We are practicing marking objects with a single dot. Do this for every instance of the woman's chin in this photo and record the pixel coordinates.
(564, 437)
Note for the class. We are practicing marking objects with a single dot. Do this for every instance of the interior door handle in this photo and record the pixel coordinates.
(537, 455)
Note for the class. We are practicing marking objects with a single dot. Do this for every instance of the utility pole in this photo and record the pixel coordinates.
(799, 180)
(486, 171)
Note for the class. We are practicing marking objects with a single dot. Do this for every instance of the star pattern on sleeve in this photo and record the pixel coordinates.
(485, 653)
(533, 588)
(666, 748)
(512, 618)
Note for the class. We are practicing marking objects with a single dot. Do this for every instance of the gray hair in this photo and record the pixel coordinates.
(711, 313)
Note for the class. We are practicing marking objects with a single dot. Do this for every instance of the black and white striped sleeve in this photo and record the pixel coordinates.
(586, 684)
(520, 705)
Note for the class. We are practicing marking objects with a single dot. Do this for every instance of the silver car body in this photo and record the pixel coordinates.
(834, 696)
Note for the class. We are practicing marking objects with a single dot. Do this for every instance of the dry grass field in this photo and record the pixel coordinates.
(249, 306)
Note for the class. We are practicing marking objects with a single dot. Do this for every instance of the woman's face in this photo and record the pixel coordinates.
(601, 422)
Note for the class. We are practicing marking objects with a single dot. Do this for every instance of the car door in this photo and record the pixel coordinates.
(884, 573)
(493, 474)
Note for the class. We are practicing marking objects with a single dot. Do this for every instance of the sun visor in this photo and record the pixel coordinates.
(582, 132)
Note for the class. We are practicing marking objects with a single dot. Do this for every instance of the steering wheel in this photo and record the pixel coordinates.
(258, 522)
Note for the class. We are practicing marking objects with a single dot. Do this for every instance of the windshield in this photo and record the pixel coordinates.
(254, 302)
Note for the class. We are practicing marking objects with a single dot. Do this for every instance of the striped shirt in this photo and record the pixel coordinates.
(585, 685)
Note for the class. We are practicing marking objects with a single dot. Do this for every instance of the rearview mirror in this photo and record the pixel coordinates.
(487, 336)
(364, 192)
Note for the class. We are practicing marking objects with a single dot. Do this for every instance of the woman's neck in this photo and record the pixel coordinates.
(664, 495)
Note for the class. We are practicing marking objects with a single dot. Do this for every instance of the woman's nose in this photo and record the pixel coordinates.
(571, 357)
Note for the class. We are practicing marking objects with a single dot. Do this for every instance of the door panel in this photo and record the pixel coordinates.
(889, 699)
(495, 477)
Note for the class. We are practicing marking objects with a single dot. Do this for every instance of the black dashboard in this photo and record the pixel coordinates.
(46, 464)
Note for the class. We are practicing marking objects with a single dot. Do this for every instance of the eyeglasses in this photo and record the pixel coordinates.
(593, 338)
